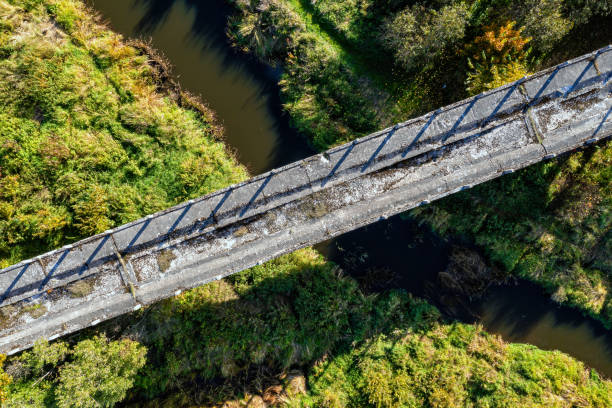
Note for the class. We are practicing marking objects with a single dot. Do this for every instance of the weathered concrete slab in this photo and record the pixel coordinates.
(20, 281)
(197, 214)
(562, 80)
(410, 164)
(75, 262)
(243, 201)
(287, 183)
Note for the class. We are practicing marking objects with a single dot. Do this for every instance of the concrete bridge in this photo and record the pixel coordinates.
(205, 239)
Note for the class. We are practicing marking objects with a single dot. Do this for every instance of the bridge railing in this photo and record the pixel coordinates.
(102, 255)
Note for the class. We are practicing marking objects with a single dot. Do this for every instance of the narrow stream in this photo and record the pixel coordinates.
(397, 253)
(391, 253)
(241, 90)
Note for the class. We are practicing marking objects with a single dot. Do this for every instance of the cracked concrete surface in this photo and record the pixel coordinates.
(410, 164)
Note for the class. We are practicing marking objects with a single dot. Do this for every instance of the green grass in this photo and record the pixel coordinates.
(451, 365)
(87, 142)
(551, 223)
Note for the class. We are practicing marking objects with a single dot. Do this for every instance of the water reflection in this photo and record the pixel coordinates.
(242, 91)
(524, 314)
(399, 253)
(388, 254)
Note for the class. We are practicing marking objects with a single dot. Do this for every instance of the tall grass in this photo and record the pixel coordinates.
(92, 135)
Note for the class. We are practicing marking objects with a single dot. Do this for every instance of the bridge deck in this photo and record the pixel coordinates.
(413, 163)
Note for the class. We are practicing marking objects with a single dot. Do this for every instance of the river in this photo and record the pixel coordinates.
(391, 253)
(241, 90)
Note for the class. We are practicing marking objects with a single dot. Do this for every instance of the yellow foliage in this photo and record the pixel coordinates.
(50, 222)
(499, 57)
(501, 43)
(5, 380)
(9, 186)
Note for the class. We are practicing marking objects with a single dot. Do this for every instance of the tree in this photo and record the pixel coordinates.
(545, 23)
(100, 373)
(499, 57)
(417, 35)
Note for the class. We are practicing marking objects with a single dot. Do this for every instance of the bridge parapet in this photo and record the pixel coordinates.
(398, 168)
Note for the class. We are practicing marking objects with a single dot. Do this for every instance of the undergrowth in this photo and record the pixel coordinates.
(349, 65)
(89, 138)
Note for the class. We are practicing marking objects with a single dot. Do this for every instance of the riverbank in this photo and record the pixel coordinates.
(94, 113)
(549, 223)
(93, 134)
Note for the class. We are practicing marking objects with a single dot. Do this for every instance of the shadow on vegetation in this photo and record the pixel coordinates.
(452, 275)
(236, 335)
(582, 39)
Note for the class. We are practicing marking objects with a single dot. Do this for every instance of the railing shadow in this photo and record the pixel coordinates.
(173, 229)
(333, 171)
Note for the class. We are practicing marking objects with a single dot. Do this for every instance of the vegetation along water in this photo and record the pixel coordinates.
(94, 132)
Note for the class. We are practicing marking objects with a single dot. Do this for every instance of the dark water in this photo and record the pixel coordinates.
(522, 313)
(391, 253)
(397, 253)
(242, 91)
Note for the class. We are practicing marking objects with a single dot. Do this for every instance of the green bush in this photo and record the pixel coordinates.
(451, 365)
(93, 373)
(417, 35)
(100, 373)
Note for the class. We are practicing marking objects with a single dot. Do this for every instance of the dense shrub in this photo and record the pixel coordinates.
(93, 373)
(499, 57)
(417, 35)
(546, 22)
(86, 140)
(342, 15)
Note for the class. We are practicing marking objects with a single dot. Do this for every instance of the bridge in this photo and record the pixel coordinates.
(205, 239)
